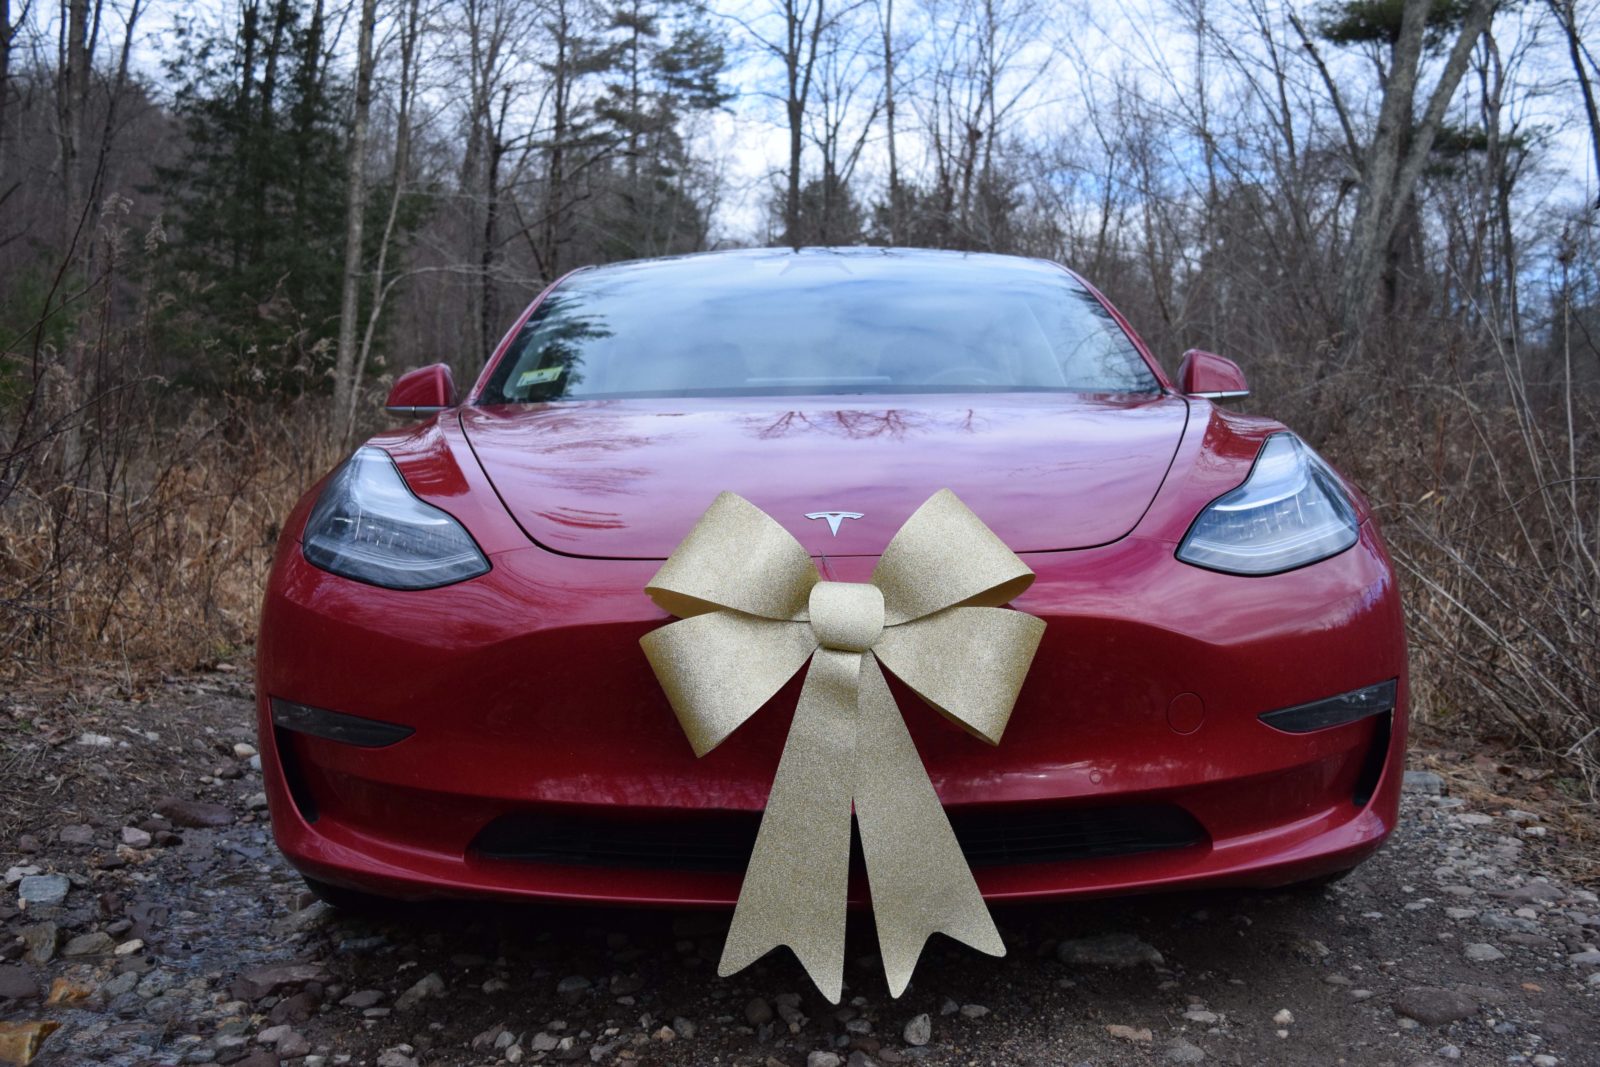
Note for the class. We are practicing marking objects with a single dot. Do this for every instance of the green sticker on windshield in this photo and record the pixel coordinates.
(538, 377)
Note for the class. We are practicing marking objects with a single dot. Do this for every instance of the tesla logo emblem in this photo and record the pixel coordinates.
(834, 518)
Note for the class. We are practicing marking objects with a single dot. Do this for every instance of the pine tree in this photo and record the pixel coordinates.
(666, 67)
(258, 199)
(576, 142)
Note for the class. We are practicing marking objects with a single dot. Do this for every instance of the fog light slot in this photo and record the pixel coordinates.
(1372, 766)
(1345, 708)
(336, 726)
(294, 776)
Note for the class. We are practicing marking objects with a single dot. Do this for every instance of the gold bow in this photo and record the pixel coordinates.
(753, 608)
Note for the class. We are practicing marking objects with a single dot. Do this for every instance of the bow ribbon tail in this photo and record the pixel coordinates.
(920, 881)
(797, 882)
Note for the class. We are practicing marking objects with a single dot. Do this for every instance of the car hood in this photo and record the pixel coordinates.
(626, 479)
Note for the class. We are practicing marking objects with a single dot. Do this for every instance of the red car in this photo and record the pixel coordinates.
(452, 696)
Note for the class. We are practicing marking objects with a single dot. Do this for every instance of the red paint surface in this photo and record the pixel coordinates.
(1207, 373)
(1186, 712)
(625, 479)
(432, 386)
(527, 689)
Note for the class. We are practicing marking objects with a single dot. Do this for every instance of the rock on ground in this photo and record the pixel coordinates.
(259, 982)
(430, 985)
(1425, 783)
(196, 814)
(1138, 1034)
(1108, 950)
(43, 890)
(1181, 1051)
(1434, 1006)
(21, 1042)
(16, 984)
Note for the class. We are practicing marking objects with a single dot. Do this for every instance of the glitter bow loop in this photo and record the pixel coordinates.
(752, 610)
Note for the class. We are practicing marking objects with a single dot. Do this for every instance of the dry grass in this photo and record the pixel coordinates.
(1489, 493)
(153, 557)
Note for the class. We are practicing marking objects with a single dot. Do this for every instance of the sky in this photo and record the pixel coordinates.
(1084, 47)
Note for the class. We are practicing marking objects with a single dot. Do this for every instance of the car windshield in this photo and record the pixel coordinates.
(817, 322)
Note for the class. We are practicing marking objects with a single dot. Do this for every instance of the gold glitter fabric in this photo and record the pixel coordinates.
(752, 610)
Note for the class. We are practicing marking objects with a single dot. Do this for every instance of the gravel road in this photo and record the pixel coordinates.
(182, 937)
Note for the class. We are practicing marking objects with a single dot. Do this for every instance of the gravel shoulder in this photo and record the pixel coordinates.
(181, 936)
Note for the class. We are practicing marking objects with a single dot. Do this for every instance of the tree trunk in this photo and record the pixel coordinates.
(1395, 158)
(791, 202)
(310, 81)
(489, 306)
(888, 120)
(72, 94)
(344, 381)
(398, 177)
(555, 181)
(264, 118)
(74, 90)
(6, 32)
(635, 106)
(1567, 15)
(800, 59)
(969, 164)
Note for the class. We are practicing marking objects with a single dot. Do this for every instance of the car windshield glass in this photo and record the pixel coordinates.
(772, 323)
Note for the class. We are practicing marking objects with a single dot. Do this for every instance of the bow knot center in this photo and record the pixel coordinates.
(847, 616)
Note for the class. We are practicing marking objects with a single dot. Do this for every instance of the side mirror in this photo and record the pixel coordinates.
(422, 392)
(1211, 376)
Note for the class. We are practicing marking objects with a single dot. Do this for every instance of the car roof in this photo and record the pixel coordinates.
(733, 263)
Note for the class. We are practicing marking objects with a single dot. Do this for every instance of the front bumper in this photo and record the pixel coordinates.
(530, 700)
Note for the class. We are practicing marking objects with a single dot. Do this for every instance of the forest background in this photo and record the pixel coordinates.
(225, 228)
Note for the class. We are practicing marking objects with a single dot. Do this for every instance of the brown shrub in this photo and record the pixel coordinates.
(1488, 490)
(151, 553)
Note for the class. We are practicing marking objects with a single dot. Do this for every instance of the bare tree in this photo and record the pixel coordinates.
(410, 35)
(885, 13)
(344, 368)
(497, 33)
(839, 82)
(798, 36)
(981, 74)
(1566, 13)
(565, 70)
(71, 98)
(8, 33)
(1394, 159)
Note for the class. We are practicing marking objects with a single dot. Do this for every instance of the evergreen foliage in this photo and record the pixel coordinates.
(1378, 21)
(257, 199)
(665, 68)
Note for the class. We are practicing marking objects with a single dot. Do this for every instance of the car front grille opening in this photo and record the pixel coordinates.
(1004, 839)
(294, 775)
(1376, 759)
(722, 841)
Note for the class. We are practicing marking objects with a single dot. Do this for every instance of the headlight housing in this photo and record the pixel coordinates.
(1290, 511)
(369, 526)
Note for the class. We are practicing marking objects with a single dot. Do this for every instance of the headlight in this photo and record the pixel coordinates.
(369, 526)
(1290, 511)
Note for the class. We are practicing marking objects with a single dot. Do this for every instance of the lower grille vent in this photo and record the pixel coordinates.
(714, 841)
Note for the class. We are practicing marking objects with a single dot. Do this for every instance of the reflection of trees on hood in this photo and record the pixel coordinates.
(856, 424)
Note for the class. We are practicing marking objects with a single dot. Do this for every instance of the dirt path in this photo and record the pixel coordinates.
(1462, 942)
